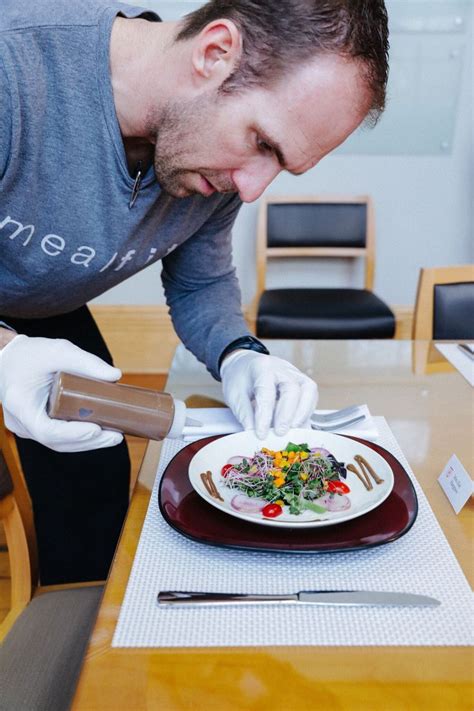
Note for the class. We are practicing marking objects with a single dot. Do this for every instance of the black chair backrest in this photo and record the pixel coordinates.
(453, 311)
(316, 224)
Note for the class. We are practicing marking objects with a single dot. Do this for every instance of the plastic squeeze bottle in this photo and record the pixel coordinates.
(113, 406)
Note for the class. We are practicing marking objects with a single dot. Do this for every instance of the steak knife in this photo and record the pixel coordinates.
(315, 597)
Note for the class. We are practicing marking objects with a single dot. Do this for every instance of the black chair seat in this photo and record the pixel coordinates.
(323, 313)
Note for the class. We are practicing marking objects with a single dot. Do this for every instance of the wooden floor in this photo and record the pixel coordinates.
(137, 449)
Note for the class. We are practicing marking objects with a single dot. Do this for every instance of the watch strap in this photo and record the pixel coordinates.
(248, 343)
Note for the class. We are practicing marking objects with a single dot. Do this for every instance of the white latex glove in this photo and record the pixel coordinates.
(261, 388)
(27, 369)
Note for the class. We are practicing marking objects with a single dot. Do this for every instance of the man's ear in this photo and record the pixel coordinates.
(216, 52)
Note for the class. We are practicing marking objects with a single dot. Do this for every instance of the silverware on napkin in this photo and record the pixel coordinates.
(316, 597)
(337, 425)
(327, 418)
(467, 349)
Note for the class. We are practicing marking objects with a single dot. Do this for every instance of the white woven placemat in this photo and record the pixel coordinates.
(420, 562)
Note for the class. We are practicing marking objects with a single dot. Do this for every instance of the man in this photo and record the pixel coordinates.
(124, 140)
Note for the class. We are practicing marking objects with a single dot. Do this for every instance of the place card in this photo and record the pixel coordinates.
(456, 483)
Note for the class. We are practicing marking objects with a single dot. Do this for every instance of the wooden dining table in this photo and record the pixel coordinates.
(431, 413)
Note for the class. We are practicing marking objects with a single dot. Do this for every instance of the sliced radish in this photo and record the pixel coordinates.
(235, 461)
(320, 451)
(243, 503)
(334, 503)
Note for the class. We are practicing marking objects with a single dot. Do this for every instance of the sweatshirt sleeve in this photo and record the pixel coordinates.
(5, 121)
(202, 290)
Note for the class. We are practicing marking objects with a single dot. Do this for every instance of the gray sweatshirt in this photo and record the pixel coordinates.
(67, 233)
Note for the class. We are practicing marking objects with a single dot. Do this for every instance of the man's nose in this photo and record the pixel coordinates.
(252, 181)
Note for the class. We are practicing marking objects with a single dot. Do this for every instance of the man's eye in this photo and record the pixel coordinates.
(263, 146)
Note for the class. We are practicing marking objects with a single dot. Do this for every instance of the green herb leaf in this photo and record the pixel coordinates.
(314, 507)
(292, 447)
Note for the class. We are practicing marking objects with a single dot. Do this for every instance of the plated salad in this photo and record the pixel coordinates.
(297, 478)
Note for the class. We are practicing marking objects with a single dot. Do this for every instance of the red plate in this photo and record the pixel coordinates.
(193, 517)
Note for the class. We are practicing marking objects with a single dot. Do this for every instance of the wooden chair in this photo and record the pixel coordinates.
(16, 515)
(444, 311)
(315, 227)
(445, 304)
(45, 634)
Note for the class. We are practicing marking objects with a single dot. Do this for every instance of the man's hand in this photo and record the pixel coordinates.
(260, 388)
(27, 369)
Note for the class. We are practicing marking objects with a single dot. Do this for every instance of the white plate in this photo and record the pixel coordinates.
(217, 453)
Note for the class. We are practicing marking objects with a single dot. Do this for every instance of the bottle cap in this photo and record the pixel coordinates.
(179, 419)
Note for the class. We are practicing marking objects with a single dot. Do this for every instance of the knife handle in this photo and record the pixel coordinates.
(168, 597)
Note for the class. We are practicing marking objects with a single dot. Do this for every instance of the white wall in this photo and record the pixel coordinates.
(424, 210)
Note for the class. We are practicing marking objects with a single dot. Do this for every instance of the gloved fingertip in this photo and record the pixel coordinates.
(281, 430)
(113, 374)
(93, 431)
(110, 435)
(247, 424)
(105, 439)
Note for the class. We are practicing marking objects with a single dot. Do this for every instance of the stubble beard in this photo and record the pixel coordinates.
(179, 128)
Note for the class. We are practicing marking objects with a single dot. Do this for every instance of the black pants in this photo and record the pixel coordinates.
(79, 499)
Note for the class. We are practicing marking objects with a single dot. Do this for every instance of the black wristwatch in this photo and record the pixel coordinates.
(248, 343)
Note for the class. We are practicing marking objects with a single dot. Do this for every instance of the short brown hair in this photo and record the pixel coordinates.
(277, 34)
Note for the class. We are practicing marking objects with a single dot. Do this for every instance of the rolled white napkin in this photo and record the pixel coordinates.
(220, 420)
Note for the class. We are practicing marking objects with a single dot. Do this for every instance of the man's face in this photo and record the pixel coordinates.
(239, 142)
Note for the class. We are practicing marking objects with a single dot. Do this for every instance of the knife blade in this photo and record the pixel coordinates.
(315, 597)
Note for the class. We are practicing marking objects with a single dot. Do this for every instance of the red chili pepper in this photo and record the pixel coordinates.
(225, 469)
(337, 487)
(272, 510)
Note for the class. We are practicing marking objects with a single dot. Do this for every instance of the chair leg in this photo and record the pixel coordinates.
(10, 454)
(17, 543)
